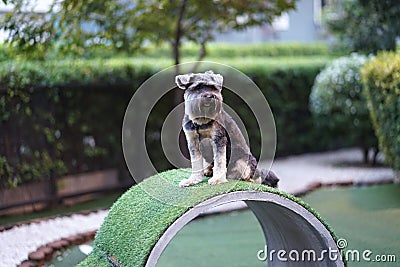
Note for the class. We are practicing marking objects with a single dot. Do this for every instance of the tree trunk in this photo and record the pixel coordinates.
(179, 33)
(375, 155)
(365, 152)
(201, 55)
(178, 98)
(176, 51)
(202, 51)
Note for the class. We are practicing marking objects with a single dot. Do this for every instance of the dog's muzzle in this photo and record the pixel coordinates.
(206, 106)
(209, 100)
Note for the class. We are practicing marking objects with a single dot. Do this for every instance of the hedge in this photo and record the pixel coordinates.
(66, 116)
(381, 81)
(339, 105)
(218, 50)
(190, 50)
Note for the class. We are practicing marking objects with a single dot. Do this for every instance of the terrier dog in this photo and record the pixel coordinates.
(216, 145)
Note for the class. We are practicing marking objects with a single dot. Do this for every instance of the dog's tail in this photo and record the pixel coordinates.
(268, 177)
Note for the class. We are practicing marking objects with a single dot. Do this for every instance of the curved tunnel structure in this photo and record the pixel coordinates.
(287, 226)
(139, 227)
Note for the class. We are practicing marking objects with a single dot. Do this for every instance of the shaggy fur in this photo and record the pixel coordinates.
(216, 145)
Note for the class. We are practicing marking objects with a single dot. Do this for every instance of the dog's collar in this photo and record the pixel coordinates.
(193, 126)
(202, 126)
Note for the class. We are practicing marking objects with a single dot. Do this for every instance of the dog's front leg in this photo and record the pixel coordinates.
(196, 160)
(219, 170)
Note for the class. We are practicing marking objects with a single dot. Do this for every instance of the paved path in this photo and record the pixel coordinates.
(18, 242)
(296, 174)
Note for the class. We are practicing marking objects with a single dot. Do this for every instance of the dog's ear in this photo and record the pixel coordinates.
(216, 78)
(183, 80)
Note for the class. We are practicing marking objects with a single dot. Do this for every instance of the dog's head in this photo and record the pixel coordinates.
(203, 99)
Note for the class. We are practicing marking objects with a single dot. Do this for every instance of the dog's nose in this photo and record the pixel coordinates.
(208, 95)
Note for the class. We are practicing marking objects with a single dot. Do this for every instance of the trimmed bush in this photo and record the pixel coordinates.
(338, 104)
(218, 50)
(4, 53)
(63, 117)
(67, 115)
(381, 81)
(188, 50)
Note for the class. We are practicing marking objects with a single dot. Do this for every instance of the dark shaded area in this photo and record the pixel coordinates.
(49, 131)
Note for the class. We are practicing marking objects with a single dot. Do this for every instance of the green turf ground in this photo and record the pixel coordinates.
(367, 217)
(67, 258)
(231, 239)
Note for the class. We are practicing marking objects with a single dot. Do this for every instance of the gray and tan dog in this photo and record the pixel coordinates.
(216, 145)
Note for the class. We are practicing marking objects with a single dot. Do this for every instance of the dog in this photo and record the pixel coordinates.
(216, 145)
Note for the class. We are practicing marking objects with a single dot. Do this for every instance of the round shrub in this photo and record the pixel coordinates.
(338, 104)
(381, 79)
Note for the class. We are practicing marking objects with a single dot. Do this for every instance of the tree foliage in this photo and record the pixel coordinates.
(381, 82)
(365, 25)
(128, 25)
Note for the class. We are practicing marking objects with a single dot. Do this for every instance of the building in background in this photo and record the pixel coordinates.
(301, 25)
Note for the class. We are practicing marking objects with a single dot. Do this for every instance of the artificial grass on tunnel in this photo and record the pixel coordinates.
(138, 219)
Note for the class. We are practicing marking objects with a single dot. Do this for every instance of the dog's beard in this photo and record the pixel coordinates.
(202, 110)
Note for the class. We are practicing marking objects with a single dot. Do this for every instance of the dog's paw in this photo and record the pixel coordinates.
(218, 179)
(193, 179)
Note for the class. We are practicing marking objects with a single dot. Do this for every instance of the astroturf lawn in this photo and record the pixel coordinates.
(140, 217)
(367, 217)
(231, 239)
(66, 258)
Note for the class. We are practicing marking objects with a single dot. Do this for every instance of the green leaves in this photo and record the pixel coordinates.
(364, 26)
(73, 26)
(381, 81)
(338, 104)
(70, 111)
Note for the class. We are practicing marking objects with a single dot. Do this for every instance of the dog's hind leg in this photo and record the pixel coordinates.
(208, 168)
